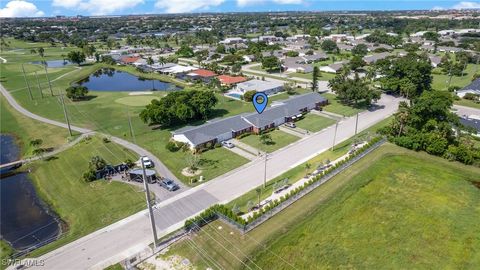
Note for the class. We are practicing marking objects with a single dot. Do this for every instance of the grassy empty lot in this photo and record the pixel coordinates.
(440, 81)
(26, 129)
(280, 139)
(393, 209)
(84, 207)
(314, 123)
(335, 106)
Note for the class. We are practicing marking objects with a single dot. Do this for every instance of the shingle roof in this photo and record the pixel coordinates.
(204, 73)
(226, 79)
(475, 85)
(210, 130)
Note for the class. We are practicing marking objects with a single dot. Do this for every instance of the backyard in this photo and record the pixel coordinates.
(364, 212)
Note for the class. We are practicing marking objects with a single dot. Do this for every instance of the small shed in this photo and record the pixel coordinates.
(137, 175)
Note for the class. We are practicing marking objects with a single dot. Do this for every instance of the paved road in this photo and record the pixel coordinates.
(120, 240)
(159, 166)
(462, 110)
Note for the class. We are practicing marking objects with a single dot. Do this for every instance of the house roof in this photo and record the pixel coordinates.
(375, 57)
(475, 85)
(204, 73)
(259, 85)
(212, 129)
(129, 59)
(226, 79)
(471, 122)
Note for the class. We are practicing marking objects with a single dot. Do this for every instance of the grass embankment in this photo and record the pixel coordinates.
(84, 207)
(26, 129)
(106, 111)
(335, 106)
(5, 252)
(280, 139)
(314, 123)
(298, 172)
(395, 208)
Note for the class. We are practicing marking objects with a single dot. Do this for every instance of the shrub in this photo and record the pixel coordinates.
(89, 176)
(172, 146)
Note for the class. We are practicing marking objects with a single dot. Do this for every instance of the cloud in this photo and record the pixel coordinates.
(98, 7)
(20, 9)
(183, 6)
(438, 8)
(244, 3)
(467, 5)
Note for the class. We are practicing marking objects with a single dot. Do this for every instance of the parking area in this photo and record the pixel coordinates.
(246, 152)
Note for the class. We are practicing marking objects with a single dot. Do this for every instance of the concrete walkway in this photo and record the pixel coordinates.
(247, 147)
(298, 132)
(239, 151)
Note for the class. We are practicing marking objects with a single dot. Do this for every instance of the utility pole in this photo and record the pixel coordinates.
(356, 124)
(28, 85)
(335, 135)
(131, 128)
(38, 83)
(48, 80)
(66, 114)
(265, 171)
(150, 211)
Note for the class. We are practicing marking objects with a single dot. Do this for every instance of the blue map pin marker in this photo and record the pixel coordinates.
(260, 106)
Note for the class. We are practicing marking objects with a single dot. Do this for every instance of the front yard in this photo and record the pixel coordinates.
(314, 123)
(279, 139)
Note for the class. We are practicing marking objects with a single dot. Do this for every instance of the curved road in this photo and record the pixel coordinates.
(159, 166)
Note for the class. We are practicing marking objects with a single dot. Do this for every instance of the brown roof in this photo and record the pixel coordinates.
(204, 73)
(226, 79)
(129, 59)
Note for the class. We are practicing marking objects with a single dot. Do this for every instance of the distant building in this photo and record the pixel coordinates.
(230, 80)
(201, 75)
(267, 87)
(334, 68)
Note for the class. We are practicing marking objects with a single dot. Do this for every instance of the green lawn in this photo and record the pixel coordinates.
(314, 123)
(440, 81)
(393, 209)
(335, 106)
(25, 129)
(5, 252)
(84, 207)
(468, 103)
(280, 139)
(324, 76)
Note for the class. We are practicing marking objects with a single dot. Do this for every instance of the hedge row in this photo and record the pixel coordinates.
(211, 213)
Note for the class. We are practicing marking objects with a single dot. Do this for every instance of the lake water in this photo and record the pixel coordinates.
(115, 80)
(25, 220)
(53, 63)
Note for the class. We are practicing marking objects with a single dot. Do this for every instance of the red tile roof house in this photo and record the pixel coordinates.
(128, 60)
(231, 80)
(200, 75)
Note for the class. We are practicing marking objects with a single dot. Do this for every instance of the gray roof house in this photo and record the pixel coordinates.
(371, 59)
(473, 88)
(224, 129)
(334, 68)
(267, 87)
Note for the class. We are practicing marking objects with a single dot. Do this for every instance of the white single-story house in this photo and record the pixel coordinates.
(267, 87)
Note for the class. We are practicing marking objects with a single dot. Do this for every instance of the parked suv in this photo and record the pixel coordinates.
(146, 161)
(168, 184)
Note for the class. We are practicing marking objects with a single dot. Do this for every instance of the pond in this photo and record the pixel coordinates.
(116, 80)
(25, 220)
(52, 63)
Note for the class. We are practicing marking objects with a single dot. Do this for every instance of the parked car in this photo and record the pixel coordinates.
(290, 125)
(168, 184)
(146, 161)
(228, 144)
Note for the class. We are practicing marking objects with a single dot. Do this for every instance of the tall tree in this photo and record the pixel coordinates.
(315, 74)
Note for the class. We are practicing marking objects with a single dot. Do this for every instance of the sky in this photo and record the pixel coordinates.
(40, 8)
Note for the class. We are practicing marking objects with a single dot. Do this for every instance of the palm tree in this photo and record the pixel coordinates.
(149, 60)
(402, 116)
(162, 60)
